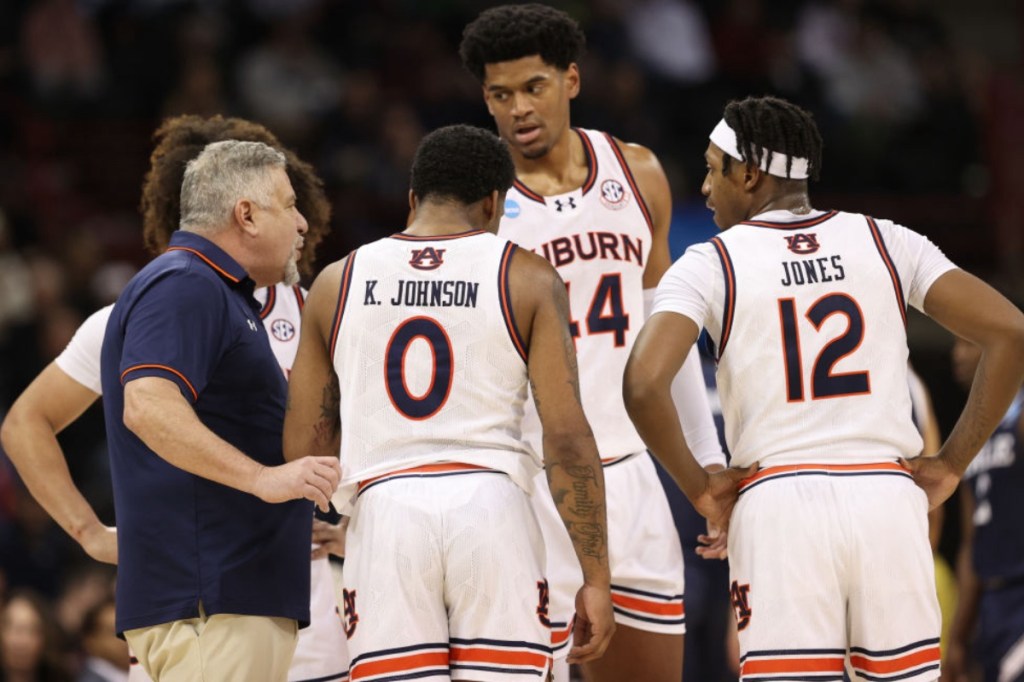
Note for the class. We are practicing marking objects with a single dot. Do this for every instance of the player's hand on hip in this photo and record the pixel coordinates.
(100, 542)
(935, 476)
(329, 538)
(595, 624)
(714, 545)
(716, 502)
(310, 478)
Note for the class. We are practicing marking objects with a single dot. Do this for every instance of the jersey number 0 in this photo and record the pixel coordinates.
(427, 404)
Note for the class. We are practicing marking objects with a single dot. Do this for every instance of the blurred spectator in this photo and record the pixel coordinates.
(30, 643)
(671, 38)
(63, 52)
(106, 654)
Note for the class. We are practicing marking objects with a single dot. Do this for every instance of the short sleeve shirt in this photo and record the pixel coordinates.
(190, 317)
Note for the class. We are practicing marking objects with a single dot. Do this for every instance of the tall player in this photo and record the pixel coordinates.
(71, 383)
(433, 335)
(990, 562)
(828, 542)
(599, 210)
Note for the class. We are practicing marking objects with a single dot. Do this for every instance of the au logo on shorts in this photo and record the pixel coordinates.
(614, 195)
(543, 601)
(283, 330)
(351, 616)
(741, 603)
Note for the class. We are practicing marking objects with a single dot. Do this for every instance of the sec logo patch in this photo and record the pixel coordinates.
(614, 195)
(283, 330)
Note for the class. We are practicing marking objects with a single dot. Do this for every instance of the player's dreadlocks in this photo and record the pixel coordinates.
(510, 32)
(776, 125)
(180, 139)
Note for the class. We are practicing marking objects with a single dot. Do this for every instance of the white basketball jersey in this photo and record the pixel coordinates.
(598, 237)
(281, 315)
(430, 363)
(811, 343)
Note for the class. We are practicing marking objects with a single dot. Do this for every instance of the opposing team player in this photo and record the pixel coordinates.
(599, 210)
(828, 541)
(990, 563)
(431, 336)
(71, 383)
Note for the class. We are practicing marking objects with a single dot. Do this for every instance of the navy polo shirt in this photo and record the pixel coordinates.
(190, 317)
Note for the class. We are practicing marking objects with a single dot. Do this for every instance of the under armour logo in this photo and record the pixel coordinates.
(560, 204)
(252, 325)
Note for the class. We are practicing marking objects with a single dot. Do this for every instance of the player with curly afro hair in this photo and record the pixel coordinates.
(180, 139)
(599, 209)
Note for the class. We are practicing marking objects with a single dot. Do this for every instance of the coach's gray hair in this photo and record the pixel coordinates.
(224, 173)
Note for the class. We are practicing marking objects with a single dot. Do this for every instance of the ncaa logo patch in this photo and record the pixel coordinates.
(512, 208)
(283, 330)
(614, 195)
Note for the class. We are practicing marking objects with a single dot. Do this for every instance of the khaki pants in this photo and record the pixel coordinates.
(220, 648)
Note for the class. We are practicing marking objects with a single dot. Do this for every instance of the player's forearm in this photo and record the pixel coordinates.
(691, 401)
(650, 407)
(168, 425)
(576, 480)
(968, 591)
(996, 382)
(32, 446)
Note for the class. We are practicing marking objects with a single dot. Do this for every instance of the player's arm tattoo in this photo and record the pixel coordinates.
(577, 491)
(328, 424)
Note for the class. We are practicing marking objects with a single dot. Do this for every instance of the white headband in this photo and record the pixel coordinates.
(725, 138)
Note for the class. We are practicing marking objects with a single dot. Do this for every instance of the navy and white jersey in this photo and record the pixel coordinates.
(808, 317)
(429, 360)
(598, 237)
(996, 477)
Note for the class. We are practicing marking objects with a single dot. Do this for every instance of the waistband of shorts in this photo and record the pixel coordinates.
(611, 461)
(836, 470)
(438, 470)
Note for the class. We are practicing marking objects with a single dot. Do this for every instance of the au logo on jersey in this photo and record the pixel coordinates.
(803, 243)
(543, 602)
(283, 330)
(427, 259)
(614, 195)
(348, 598)
(741, 603)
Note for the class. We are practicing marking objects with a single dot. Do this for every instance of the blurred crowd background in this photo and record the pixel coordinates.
(920, 103)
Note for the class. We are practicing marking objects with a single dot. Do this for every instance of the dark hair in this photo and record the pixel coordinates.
(180, 139)
(51, 666)
(509, 32)
(778, 126)
(461, 163)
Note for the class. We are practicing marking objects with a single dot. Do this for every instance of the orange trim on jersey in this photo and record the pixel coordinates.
(588, 151)
(761, 666)
(658, 608)
(269, 305)
(632, 182)
(810, 222)
(435, 238)
(434, 659)
(441, 468)
(877, 467)
(729, 307)
(527, 192)
(894, 665)
(346, 279)
(224, 273)
(195, 396)
(460, 654)
(887, 259)
(505, 297)
(299, 297)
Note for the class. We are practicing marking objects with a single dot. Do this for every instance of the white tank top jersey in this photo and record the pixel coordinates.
(282, 308)
(808, 317)
(430, 363)
(598, 237)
